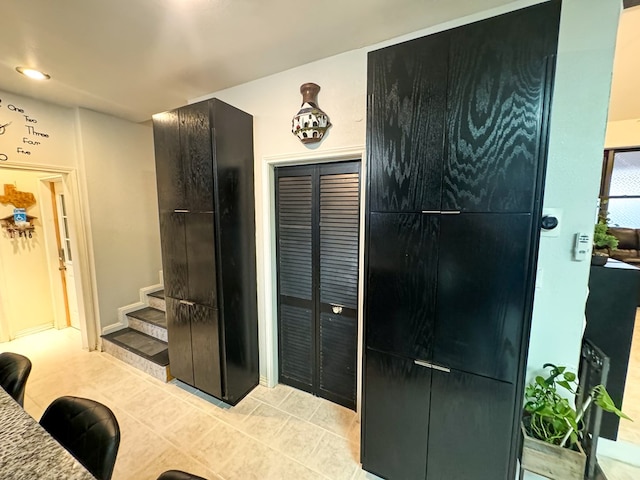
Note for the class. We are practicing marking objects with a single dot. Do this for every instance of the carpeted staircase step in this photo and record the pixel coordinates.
(139, 350)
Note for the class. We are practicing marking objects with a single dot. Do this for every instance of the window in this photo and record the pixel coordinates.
(620, 187)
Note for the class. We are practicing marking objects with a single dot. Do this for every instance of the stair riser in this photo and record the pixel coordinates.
(157, 371)
(158, 303)
(149, 328)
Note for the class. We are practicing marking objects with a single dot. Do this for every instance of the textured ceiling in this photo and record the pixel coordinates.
(135, 58)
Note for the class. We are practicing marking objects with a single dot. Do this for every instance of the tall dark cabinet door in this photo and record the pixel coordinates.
(179, 327)
(206, 349)
(497, 90)
(407, 100)
(195, 141)
(401, 284)
(171, 198)
(201, 258)
(396, 405)
(470, 435)
(481, 293)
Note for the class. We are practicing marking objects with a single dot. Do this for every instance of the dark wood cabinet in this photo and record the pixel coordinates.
(456, 155)
(204, 170)
(611, 316)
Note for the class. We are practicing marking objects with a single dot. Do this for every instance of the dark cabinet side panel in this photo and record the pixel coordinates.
(169, 167)
(395, 424)
(175, 269)
(195, 140)
(200, 243)
(495, 102)
(234, 205)
(401, 286)
(407, 100)
(206, 349)
(179, 335)
(481, 293)
(470, 427)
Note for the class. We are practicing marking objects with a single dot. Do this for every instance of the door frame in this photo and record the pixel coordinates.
(79, 247)
(268, 331)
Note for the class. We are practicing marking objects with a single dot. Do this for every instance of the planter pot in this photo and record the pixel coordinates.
(599, 260)
(552, 461)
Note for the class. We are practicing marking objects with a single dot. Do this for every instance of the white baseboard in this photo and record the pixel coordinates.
(263, 381)
(146, 290)
(31, 331)
(114, 327)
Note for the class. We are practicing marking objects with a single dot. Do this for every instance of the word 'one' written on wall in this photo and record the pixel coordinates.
(23, 130)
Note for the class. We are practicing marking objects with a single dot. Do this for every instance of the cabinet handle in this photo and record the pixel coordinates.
(422, 363)
(433, 366)
(186, 302)
(432, 211)
(441, 368)
(179, 210)
(451, 212)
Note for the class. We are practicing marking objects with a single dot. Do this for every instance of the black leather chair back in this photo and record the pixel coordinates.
(88, 430)
(178, 475)
(14, 372)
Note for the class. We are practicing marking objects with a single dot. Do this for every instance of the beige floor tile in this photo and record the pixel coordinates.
(363, 475)
(298, 439)
(173, 459)
(255, 462)
(615, 470)
(335, 418)
(238, 414)
(287, 469)
(219, 446)
(335, 457)
(273, 396)
(264, 423)
(301, 404)
(188, 429)
(139, 447)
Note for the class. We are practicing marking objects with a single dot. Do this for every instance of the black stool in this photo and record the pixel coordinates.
(14, 372)
(178, 475)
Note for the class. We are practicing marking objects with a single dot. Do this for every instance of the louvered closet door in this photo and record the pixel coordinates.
(318, 228)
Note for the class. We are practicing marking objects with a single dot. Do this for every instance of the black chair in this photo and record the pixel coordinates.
(14, 372)
(178, 475)
(88, 430)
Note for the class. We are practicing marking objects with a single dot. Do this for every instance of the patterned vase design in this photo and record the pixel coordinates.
(310, 123)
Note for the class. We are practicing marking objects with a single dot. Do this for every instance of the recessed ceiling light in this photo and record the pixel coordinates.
(32, 73)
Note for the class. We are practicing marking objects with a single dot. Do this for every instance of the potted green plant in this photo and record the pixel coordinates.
(552, 427)
(603, 243)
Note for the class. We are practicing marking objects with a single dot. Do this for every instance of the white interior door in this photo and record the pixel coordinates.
(66, 258)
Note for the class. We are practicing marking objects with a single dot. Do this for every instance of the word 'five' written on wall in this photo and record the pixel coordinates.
(25, 135)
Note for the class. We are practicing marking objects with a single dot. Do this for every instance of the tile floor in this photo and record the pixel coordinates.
(278, 433)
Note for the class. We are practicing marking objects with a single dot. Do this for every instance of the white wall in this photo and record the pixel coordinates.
(587, 37)
(108, 165)
(623, 134)
(578, 120)
(118, 168)
(26, 296)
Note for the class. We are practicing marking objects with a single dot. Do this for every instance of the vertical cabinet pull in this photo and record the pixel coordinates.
(432, 366)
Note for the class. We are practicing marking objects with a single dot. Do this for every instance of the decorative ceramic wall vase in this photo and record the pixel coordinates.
(310, 123)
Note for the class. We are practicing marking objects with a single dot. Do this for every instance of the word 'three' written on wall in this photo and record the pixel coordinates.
(21, 136)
